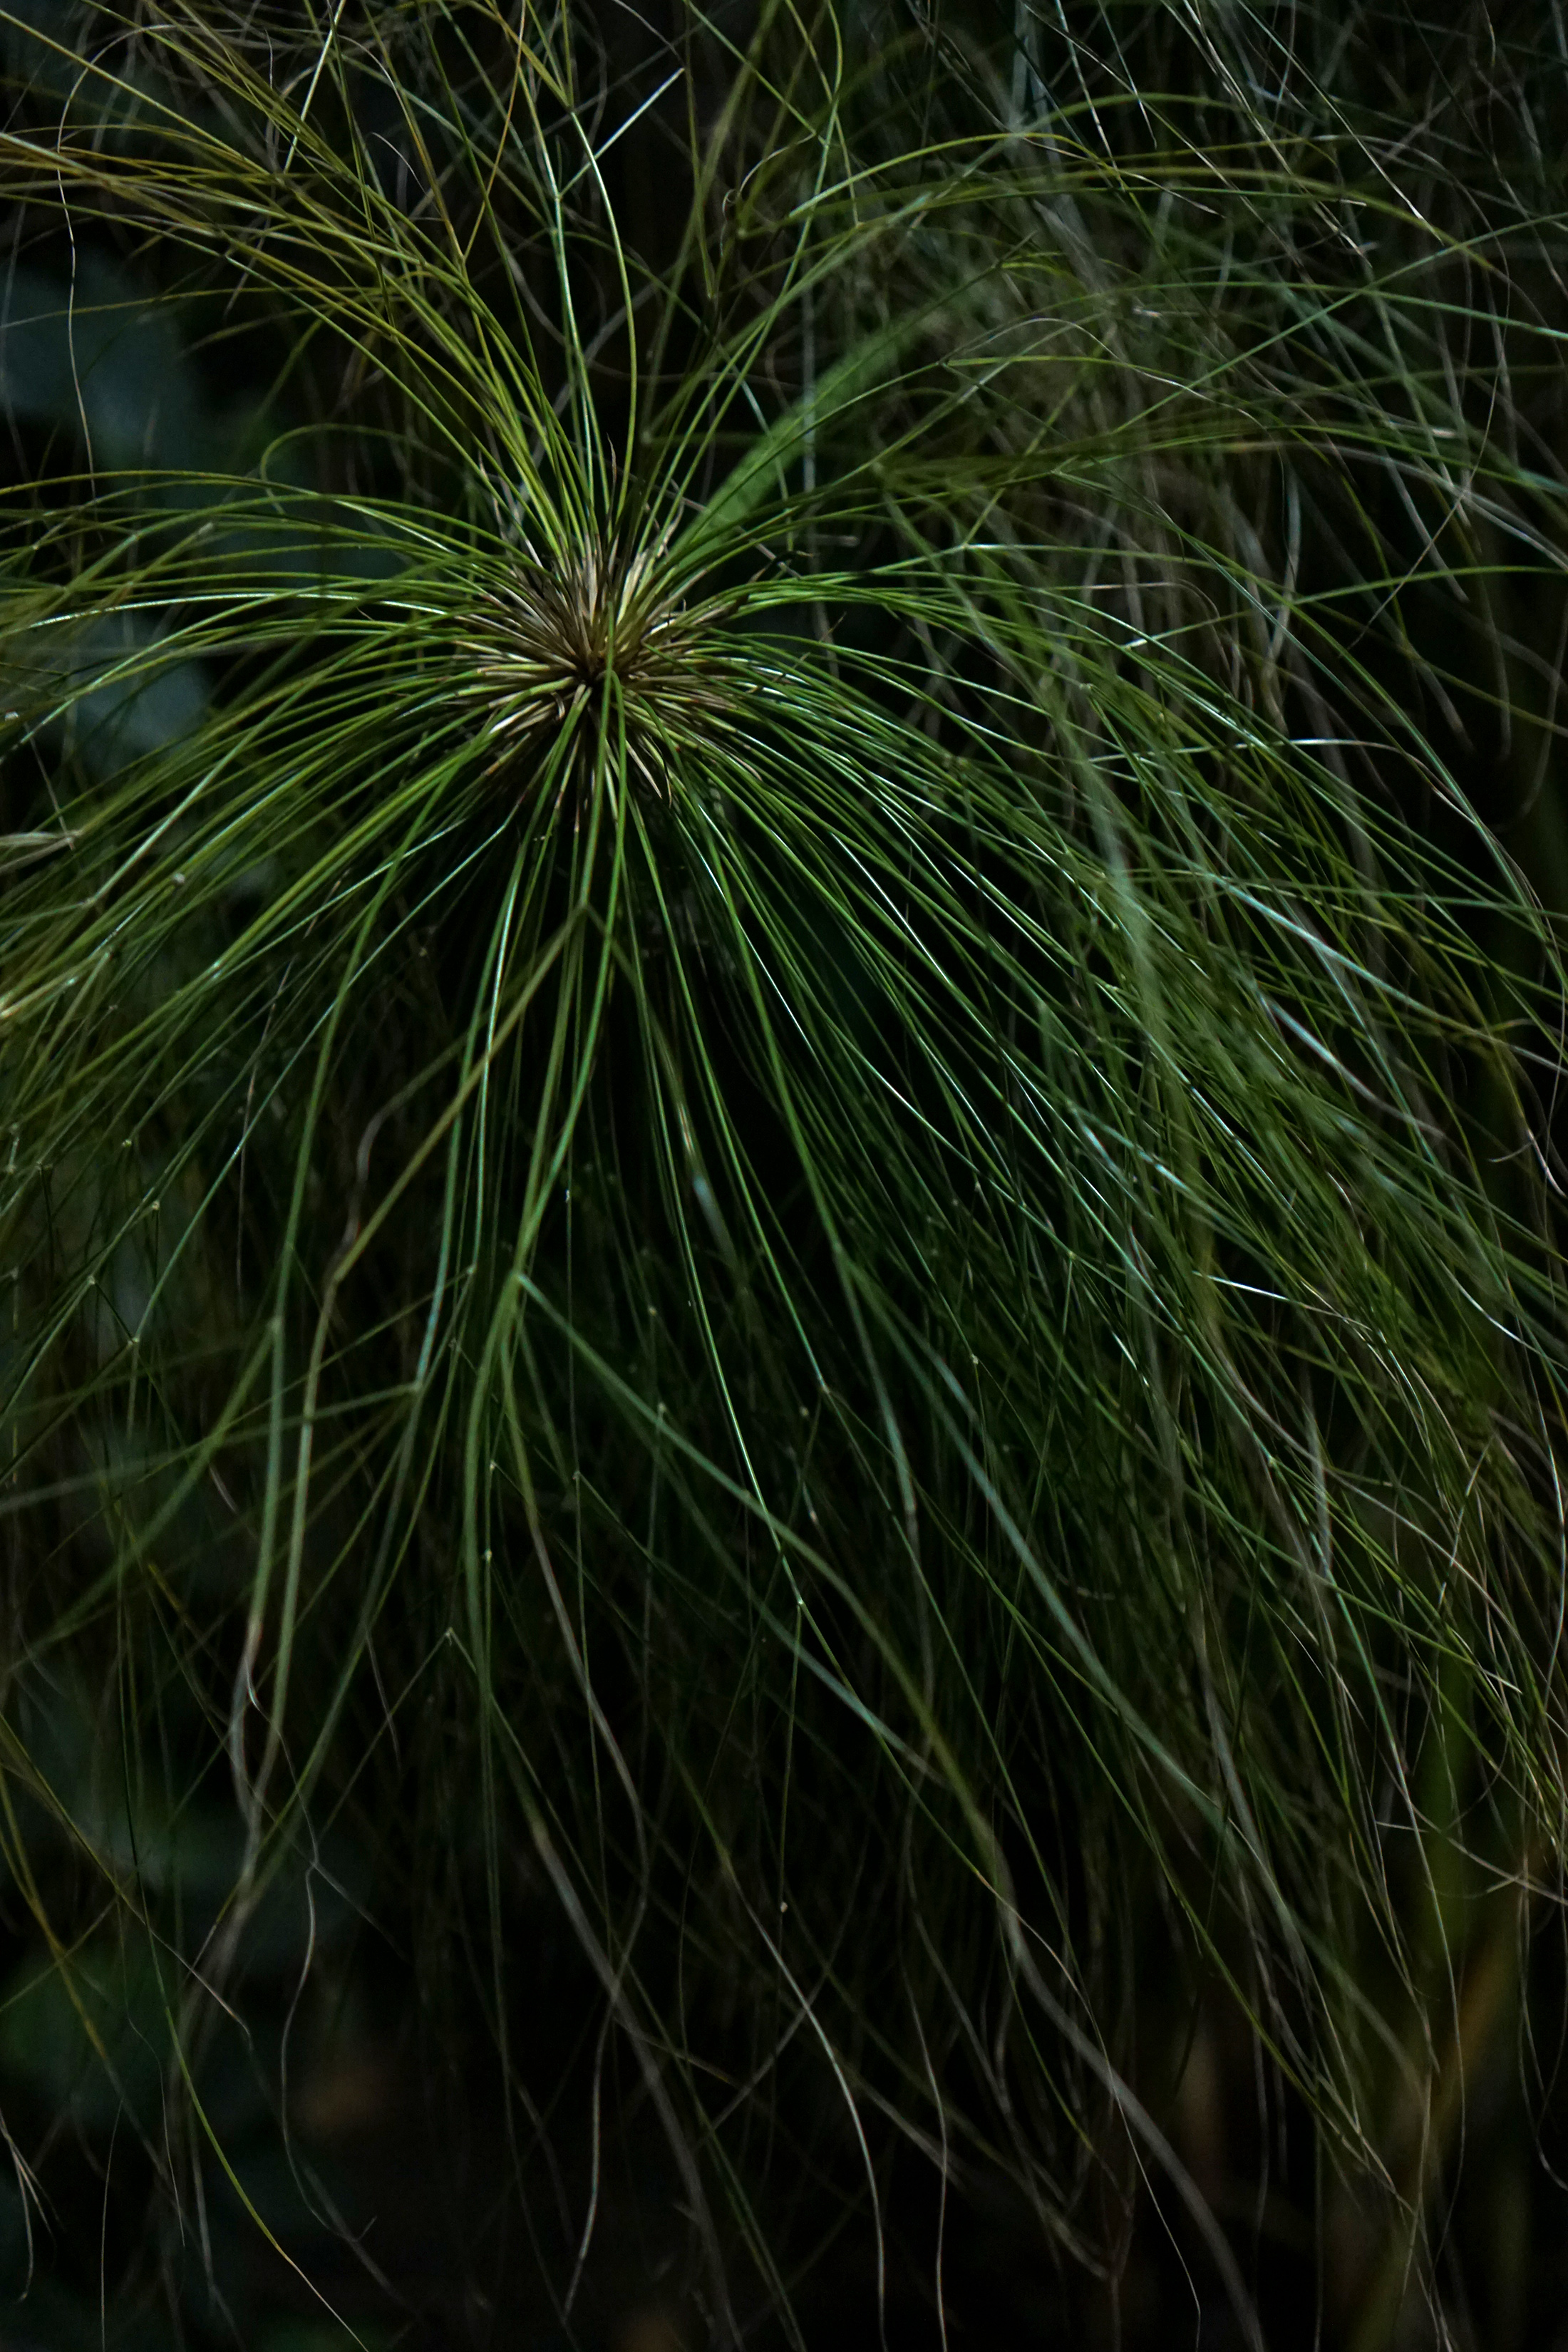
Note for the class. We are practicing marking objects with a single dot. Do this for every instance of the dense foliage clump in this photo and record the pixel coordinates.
(779, 1031)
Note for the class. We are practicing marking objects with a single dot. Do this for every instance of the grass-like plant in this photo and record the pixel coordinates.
(780, 1172)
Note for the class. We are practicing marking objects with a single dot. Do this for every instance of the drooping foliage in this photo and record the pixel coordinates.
(778, 1035)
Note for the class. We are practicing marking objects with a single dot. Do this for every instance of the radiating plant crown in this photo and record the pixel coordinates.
(962, 1461)
(584, 632)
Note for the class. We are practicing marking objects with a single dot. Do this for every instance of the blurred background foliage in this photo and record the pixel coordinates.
(1284, 289)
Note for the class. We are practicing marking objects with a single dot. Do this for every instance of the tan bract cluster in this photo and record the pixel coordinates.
(599, 640)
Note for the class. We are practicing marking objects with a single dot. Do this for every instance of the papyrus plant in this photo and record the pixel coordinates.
(779, 1162)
